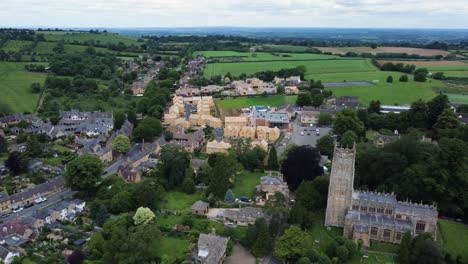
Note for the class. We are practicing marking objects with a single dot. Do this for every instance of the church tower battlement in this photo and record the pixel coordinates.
(340, 189)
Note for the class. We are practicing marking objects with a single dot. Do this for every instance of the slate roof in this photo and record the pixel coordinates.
(211, 248)
(271, 180)
(383, 198)
(53, 184)
(4, 197)
(200, 206)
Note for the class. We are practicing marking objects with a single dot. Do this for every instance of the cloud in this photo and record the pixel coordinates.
(253, 13)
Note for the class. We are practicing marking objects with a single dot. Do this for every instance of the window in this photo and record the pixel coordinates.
(388, 211)
(398, 216)
(374, 231)
(364, 208)
(420, 227)
(355, 207)
(398, 236)
(386, 233)
(371, 209)
(380, 210)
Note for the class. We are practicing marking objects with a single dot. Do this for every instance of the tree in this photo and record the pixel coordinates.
(447, 120)
(317, 100)
(35, 87)
(144, 216)
(188, 185)
(122, 202)
(303, 99)
(222, 168)
(325, 145)
(438, 76)
(403, 252)
(273, 159)
(119, 119)
(33, 147)
(3, 145)
(424, 250)
(147, 130)
(403, 78)
(291, 245)
(121, 144)
(389, 79)
(420, 77)
(149, 194)
(346, 120)
(348, 139)
(312, 195)
(83, 172)
(435, 107)
(342, 253)
(325, 119)
(302, 163)
(263, 242)
(77, 257)
(173, 165)
(229, 197)
(95, 246)
(374, 107)
(17, 163)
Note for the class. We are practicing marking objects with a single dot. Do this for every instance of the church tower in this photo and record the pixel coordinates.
(340, 190)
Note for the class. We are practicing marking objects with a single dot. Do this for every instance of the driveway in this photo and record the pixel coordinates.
(240, 255)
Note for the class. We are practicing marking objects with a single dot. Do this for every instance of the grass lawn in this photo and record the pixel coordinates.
(458, 98)
(180, 201)
(15, 86)
(312, 67)
(455, 238)
(173, 248)
(388, 93)
(265, 56)
(374, 258)
(245, 183)
(274, 100)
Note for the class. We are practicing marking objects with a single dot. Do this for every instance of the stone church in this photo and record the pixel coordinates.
(368, 215)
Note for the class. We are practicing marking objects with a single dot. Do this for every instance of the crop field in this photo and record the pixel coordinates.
(285, 48)
(102, 38)
(429, 64)
(312, 67)
(388, 93)
(15, 83)
(265, 56)
(47, 48)
(421, 52)
(456, 74)
(457, 98)
(455, 238)
(274, 100)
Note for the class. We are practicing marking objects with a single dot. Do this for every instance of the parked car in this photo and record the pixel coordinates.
(245, 199)
(18, 209)
(302, 133)
(40, 200)
(29, 205)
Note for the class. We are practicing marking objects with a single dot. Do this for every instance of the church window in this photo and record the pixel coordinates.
(374, 231)
(380, 210)
(371, 209)
(398, 216)
(364, 208)
(386, 233)
(388, 211)
(420, 227)
(355, 207)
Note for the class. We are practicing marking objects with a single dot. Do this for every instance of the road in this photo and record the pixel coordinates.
(113, 168)
(26, 212)
(270, 259)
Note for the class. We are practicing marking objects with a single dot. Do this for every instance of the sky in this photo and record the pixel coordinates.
(242, 13)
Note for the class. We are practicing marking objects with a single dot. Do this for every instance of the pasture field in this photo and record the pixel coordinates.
(432, 65)
(265, 56)
(454, 238)
(421, 52)
(456, 74)
(457, 98)
(15, 85)
(102, 38)
(15, 45)
(312, 67)
(241, 102)
(388, 93)
(285, 48)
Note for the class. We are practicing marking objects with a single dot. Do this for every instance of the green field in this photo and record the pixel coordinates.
(180, 201)
(15, 83)
(456, 73)
(173, 248)
(455, 238)
(275, 100)
(388, 93)
(102, 38)
(312, 67)
(245, 184)
(458, 98)
(285, 48)
(448, 68)
(16, 45)
(265, 56)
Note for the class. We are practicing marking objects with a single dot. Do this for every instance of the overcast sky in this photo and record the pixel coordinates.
(245, 13)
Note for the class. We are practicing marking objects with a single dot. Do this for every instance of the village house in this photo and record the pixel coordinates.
(5, 202)
(235, 121)
(269, 119)
(343, 102)
(293, 81)
(309, 118)
(269, 185)
(247, 132)
(7, 256)
(188, 91)
(217, 147)
(231, 131)
(241, 217)
(89, 123)
(291, 90)
(211, 249)
(263, 144)
(45, 189)
(200, 208)
(129, 174)
(190, 142)
(267, 133)
(252, 86)
(211, 89)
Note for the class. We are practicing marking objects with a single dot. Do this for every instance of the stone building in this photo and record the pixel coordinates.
(370, 216)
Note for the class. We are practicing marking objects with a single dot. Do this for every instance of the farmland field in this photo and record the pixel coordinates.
(275, 100)
(312, 67)
(421, 52)
(457, 98)
(388, 93)
(265, 56)
(285, 48)
(102, 38)
(433, 65)
(456, 73)
(15, 45)
(15, 83)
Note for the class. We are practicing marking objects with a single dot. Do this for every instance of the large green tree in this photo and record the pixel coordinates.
(326, 145)
(346, 120)
(273, 159)
(121, 144)
(173, 165)
(83, 172)
(291, 245)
